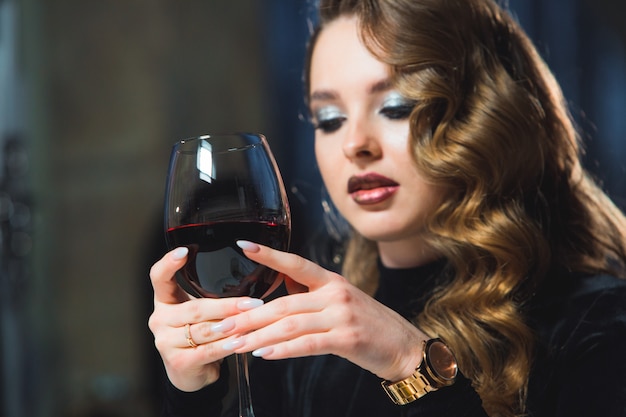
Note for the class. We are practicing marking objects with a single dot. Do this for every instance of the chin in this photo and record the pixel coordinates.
(386, 235)
(386, 232)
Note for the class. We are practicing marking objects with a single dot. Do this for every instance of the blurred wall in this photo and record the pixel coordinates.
(115, 83)
(584, 43)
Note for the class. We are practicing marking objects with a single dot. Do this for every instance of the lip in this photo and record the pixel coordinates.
(371, 188)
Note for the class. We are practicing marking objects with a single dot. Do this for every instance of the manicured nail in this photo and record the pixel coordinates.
(223, 326)
(233, 344)
(249, 304)
(180, 253)
(259, 353)
(249, 246)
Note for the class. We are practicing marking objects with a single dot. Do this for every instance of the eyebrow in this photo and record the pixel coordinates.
(323, 95)
(327, 95)
(382, 85)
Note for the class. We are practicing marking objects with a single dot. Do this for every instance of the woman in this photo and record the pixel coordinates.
(444, 141)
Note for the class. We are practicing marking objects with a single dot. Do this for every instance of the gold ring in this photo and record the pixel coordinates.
(188, 336)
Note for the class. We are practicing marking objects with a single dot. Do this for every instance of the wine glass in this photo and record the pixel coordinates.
(221, 189)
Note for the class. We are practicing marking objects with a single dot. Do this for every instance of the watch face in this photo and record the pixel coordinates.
(442, 360)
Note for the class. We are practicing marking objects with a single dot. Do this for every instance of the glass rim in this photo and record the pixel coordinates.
(261, 137)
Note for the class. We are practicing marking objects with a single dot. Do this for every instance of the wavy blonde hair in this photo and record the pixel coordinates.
(490, 125)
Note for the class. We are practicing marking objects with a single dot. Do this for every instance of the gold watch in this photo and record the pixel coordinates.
(437, 369)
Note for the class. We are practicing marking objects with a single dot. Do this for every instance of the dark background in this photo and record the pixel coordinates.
(93, 94)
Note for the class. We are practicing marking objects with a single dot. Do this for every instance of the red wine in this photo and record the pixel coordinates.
(216, 266)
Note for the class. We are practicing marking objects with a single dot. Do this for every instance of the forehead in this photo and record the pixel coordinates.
(341, 60)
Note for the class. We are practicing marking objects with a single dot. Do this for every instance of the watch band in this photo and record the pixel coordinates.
(409, 389)
(422, 381)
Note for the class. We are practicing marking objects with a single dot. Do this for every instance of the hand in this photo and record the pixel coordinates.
(333, 317)
(189, 368)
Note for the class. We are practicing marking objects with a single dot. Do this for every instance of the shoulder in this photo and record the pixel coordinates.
(580, 325)
(580, 310)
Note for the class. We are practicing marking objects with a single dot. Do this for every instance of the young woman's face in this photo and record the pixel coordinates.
(362, 146)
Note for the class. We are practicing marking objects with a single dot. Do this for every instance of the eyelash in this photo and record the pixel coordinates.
(399, 112)
(329, 125)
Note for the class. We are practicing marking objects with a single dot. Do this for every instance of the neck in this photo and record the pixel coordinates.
(402, 254)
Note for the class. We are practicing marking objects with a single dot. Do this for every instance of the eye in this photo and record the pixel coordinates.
(328, 119)
(329, 125)
(396, 107)
(397, 112)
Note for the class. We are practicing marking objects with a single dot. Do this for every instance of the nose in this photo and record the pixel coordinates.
(361, 143)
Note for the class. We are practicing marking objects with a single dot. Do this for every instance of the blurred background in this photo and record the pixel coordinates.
(92, 96)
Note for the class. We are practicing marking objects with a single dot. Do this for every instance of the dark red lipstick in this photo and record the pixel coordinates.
(371, 188)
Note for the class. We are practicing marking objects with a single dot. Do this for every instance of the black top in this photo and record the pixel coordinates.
(578, 370)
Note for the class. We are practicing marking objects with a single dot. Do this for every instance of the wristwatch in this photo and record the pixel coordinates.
(437, 369)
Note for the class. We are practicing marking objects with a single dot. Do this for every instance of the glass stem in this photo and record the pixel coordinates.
(245, 401)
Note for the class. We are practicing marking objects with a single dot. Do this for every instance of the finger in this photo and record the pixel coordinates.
(196, 322)
(306, 345)
(189, 335)
(205, 310)
(294, 287)
(285, 330)
(279, 319)
(162, 275)
(186, 358)
(296, 267)
(201, 333)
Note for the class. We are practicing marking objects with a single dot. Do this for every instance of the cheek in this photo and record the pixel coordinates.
(431, 198)
(329, 165)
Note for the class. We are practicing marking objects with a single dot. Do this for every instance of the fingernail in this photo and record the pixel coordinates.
(180, 253)
(223, 326)
(233, 344)
(249, 246)
(259, 353)
(249, 304)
